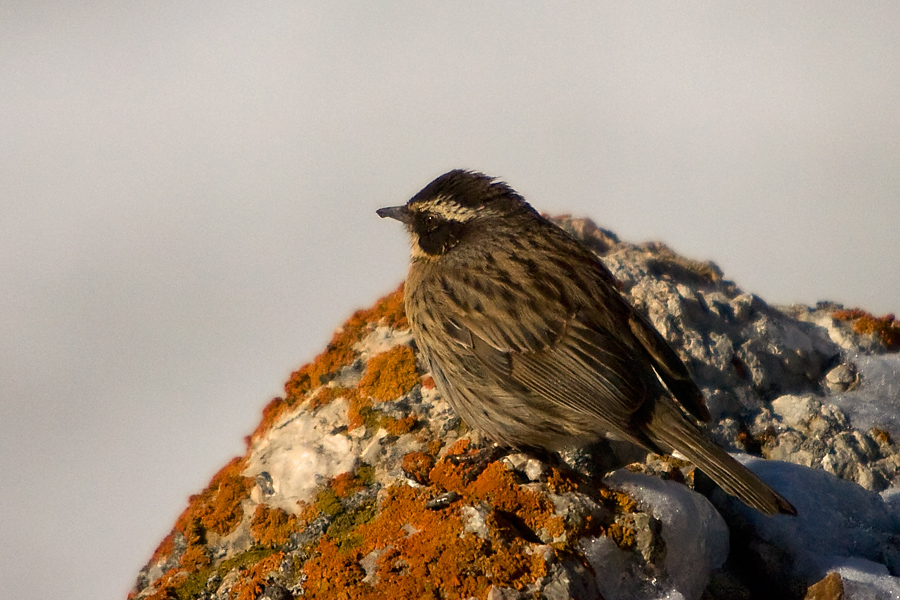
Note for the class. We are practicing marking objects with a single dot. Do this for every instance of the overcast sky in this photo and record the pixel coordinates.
(187, 196)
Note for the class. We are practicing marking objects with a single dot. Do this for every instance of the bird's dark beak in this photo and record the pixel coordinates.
(401, 213)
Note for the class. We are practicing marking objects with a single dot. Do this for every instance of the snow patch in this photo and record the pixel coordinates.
(840, 527)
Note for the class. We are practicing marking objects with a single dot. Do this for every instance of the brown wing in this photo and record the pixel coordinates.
(556, 327)
(551, 349)
(669, 366)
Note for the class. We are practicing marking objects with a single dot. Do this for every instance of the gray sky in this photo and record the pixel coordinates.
(187, 195)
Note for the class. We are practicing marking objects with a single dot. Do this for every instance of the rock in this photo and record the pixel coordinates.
(361, 481)
(831, 587)
(842, 378)
(796, 411)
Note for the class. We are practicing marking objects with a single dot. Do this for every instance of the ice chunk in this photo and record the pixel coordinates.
(695, 535)
(867, 581)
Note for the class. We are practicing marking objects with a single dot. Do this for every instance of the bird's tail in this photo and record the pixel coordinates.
(668, 427)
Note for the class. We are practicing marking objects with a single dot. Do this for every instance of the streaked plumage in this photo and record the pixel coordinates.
(530, 341)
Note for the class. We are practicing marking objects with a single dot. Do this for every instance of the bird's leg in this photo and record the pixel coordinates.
(478, 458)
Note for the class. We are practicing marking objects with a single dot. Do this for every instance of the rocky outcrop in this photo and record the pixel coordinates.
(361, 482)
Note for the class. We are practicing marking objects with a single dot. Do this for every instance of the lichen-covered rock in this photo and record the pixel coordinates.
(361, 482)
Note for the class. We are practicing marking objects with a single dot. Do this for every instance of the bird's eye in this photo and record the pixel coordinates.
(430, 220)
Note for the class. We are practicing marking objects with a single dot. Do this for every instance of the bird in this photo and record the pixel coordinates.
(529, 339)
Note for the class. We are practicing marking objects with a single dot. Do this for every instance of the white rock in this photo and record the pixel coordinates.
(302, 451)
(796, 411)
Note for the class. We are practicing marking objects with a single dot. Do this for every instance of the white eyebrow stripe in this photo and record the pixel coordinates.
(446, 208)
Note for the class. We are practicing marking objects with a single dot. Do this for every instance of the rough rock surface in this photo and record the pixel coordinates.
(361, 482)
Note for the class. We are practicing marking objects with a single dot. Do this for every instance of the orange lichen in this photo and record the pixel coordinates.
(361, 412)
(272, 526)
(326, 395)
(399, 426)
(428, 382)
(448, 475)
(197, 555)
(436, 560)
(252, 580)
(459, 447)
(423, 553)
(887, 328)
(388, 311)
(498, 487)
(271, 413)
(434, 446)
(881, 436)
(360, 409)
(219, 506)
(418, 465)
(332, 573)
(390, 374)
(167, 584)
(307, 511)
(345, 484)
(218, 509)
(849, 314)
(559, 483)
(340, 352)
(617, 501)
(621, 534)
(164, 549)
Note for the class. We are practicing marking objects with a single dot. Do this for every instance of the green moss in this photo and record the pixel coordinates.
(327, 502)
(193, 586)
(195, 583)
(245, 559)
(366, 474)
(344, 527)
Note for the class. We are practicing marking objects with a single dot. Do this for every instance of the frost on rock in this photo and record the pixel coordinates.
(875, 402)
(361, 482)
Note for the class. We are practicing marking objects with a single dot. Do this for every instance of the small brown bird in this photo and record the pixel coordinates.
(529, 339)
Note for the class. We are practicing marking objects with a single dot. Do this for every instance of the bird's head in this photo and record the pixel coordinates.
(449, 208)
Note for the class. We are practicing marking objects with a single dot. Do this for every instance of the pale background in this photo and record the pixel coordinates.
(187, 196)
